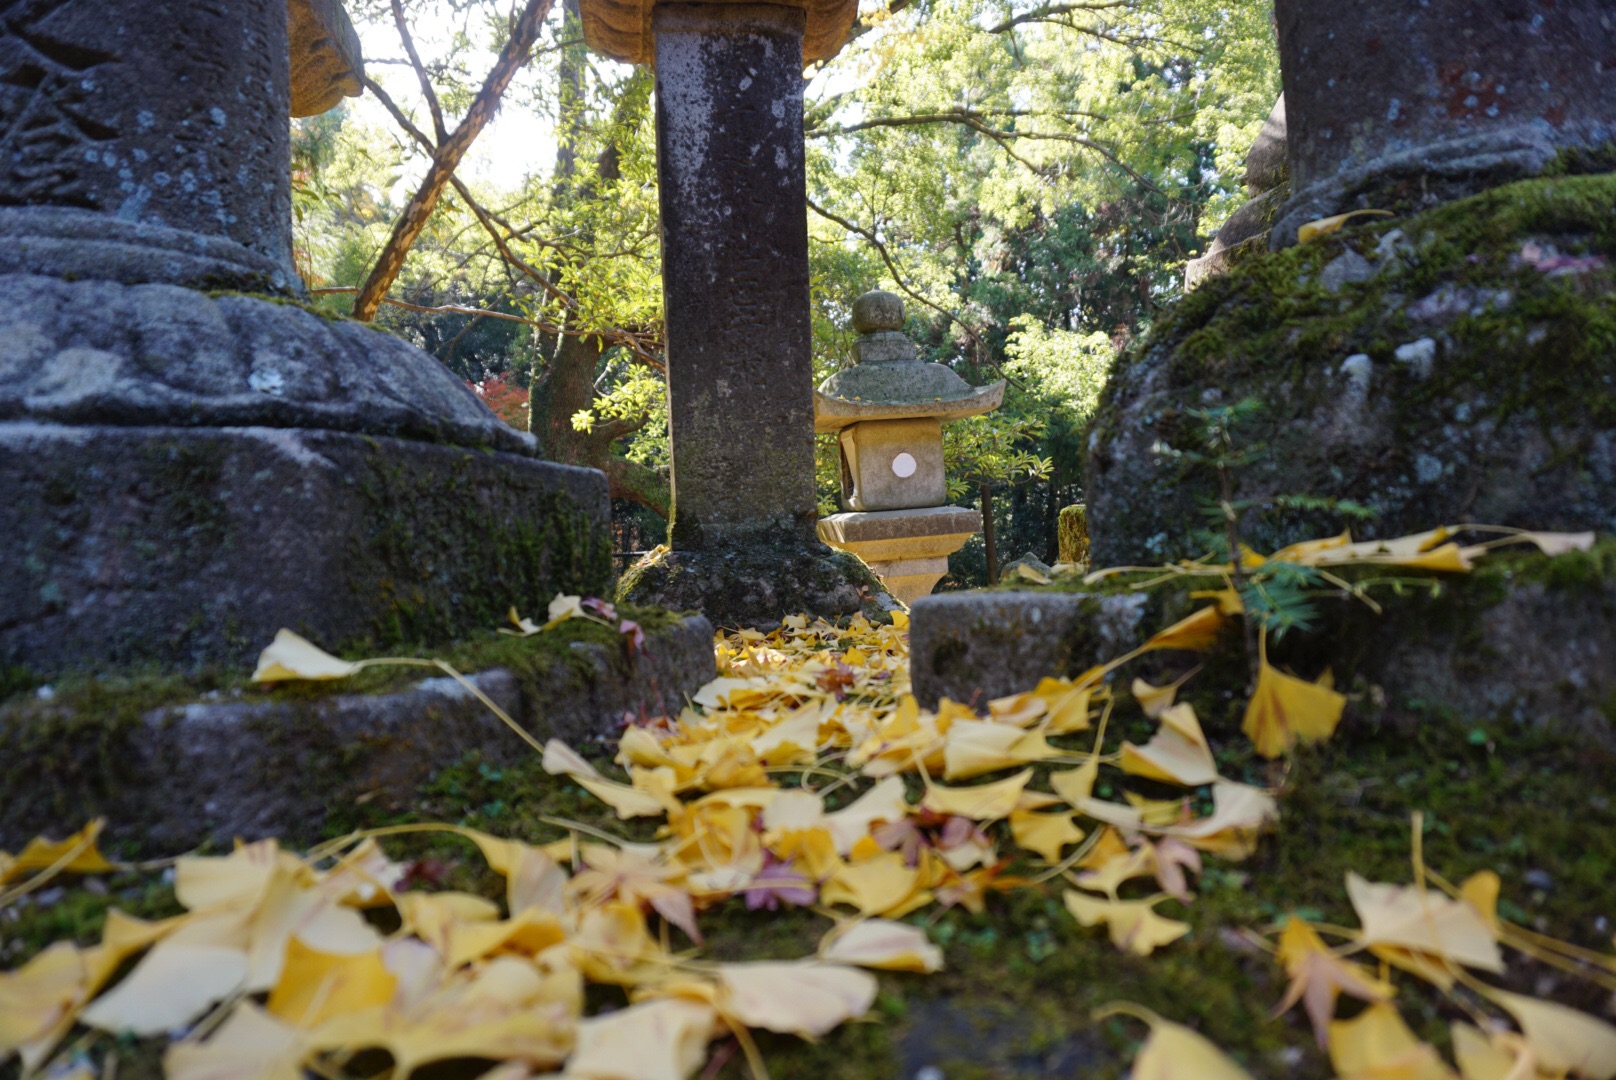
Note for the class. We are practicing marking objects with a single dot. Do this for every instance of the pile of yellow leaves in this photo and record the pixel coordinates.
(806, 775)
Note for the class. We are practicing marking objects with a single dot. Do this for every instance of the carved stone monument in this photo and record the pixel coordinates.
(189, 458)
(735, 289)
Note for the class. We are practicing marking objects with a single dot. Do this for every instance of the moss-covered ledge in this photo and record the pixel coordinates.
(1523, 641)
(172, 761)
(1456, 365)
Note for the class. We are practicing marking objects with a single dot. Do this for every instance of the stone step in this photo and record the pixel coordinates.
(252, 764)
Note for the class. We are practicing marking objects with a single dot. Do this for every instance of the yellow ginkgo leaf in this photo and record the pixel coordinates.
(1424, 922)
(985, 802)
(1154, 700)
(801, 997)
(1377, 1045)
(1285, 710)
(1319, 977)
(883, 885)
(1178, 753)
(1046, 834)
(315, 986)
(175, 983)
(881, 943)
(1195, 633)
(1124, 866)
(1067, 702)
(628, 801)
(654, 1040)
(1135, 927)
(290, 657)
(1564, 1039)
(1325, 226)
(38, 1002)
(1173, 1051)
(974, 747)
(1076, 785)
(1479, 1058)
(1551, 543)
(77, 854)
(249, 1045)
(884, 802)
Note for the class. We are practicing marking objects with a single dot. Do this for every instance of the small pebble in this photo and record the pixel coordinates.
(929, 1072)
(1538, 879)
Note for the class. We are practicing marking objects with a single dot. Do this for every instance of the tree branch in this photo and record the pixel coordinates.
(903, 286)
(420, 71)
(634, 342)
(447, 156)
(1044, 12)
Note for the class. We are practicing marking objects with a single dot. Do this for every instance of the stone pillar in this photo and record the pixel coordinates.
(187, 465)
(735, 291)
(1452, 95)
(735, 272)
(168, 113)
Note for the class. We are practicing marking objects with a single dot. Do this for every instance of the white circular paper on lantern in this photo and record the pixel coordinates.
(904, 466)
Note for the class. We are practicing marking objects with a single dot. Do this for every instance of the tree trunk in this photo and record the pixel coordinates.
(988, 544)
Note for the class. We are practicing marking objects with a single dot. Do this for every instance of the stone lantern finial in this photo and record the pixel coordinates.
(889, 409)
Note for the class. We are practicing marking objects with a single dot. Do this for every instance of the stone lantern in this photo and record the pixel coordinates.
(888, 411)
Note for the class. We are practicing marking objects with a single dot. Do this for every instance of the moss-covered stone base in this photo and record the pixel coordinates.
(173, 762)
(190, 547)
(1458, 365)
(757, 585)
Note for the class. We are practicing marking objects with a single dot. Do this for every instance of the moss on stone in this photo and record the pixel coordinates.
(1507, 424)
(432, 548)
(758, 584)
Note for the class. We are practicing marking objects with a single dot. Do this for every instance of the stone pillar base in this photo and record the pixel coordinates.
(191, 547)
(907, 549)
(758, 585)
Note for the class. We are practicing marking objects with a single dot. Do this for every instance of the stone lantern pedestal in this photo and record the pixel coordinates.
(190, 458)
(888, 411)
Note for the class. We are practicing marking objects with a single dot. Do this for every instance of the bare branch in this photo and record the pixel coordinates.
(641, 345)
(904, 287)
(447, 156)
(975, 121)
(492, 223)
(420, 71)
(1044, 12)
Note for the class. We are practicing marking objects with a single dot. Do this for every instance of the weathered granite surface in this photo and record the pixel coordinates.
(100, 352)
(166, 112)
(1452, 366)
(1524, 640)
(258, 764)
(735, 273)
(1437, 100)
(757, 585)
(193, 546)
(974, 647)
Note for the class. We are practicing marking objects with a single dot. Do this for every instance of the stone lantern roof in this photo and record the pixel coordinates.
(888, 382)
(621, 29)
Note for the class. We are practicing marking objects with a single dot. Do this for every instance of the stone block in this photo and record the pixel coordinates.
(893, 465)
(252, 763)
(327, 64)
(974, 647)
(104, 352)
(192, 546)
